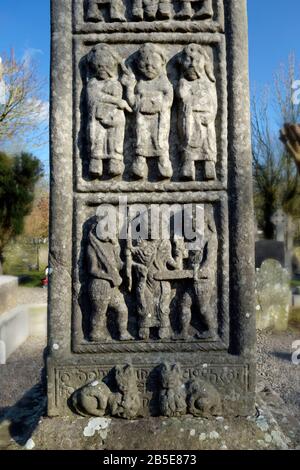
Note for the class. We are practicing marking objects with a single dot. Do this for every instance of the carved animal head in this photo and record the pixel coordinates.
(171, 376)
(125, 378)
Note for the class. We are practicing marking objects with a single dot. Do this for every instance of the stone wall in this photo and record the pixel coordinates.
(8, 287)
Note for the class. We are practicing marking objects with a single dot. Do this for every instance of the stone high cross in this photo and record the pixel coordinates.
(150, 104)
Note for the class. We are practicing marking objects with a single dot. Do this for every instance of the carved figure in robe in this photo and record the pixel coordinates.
(198, 106)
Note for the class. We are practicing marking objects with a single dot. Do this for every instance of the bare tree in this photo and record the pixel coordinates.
(290, 136)
(275, 176)
(23, 112)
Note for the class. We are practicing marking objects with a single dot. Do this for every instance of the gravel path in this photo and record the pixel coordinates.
(22, 371)
(35, 295)
(23, 368)
(276, 368)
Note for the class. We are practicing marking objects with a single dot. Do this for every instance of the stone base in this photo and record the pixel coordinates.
(272, 428)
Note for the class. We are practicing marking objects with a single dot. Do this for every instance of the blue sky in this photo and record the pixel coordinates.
(273, 34)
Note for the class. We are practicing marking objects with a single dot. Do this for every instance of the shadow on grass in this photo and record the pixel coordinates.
(24, 416)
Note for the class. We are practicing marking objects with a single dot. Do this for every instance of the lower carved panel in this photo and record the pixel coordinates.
(129, 392)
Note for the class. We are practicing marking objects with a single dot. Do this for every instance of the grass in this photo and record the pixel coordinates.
(295, 283)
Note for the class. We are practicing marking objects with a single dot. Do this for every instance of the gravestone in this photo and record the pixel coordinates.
(269, 249)
(273, 296)
(150, 130)
(284, 232)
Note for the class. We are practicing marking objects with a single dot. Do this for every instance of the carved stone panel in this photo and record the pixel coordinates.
(151, 305)
(151, 116)
(148, 294)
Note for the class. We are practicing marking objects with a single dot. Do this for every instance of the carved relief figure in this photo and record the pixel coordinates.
(191, 9)
(104, 265)
(126, 403)
(198, 106)
(151, 9)
(94, 10)
(92, 399)
(203, 399)
(105, 112)
(200, 294)
(172, 399)
(151, 98)
(153, 296)
(96, 398)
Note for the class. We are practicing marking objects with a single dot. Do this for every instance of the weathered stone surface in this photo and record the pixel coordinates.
(273, 296)
(272, 428)
(150, 103)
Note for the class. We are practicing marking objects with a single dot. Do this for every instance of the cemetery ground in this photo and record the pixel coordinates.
(276, 425)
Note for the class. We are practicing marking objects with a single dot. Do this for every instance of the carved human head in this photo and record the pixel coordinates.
(152, 61)
(106, 230)
(103, 62)
(195, 62)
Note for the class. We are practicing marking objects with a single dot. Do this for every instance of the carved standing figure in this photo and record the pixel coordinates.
(205, 11)
(105, 112)
(94, 10)
(198, 106)
(151, 9)
(204, 264)
(152, 98)
(172, 397)
(104, 265)
(153, 296)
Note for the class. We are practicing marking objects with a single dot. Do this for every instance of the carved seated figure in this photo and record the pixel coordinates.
(104, 265)
(105, 112)
(191, 9)
(126, 403)
(198, 106)
(151, 9)
(94, 10)
(151, 98)
(172, 398)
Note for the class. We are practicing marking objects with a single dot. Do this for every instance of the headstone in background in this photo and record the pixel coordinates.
(284, 232)
(279, 221)
(269, 249)
(273, 296)
(150, 102)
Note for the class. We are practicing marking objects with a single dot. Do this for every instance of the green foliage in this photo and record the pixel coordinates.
(18, 177)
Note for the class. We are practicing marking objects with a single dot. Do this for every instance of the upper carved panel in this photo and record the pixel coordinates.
(163, 15)
(150, 115)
